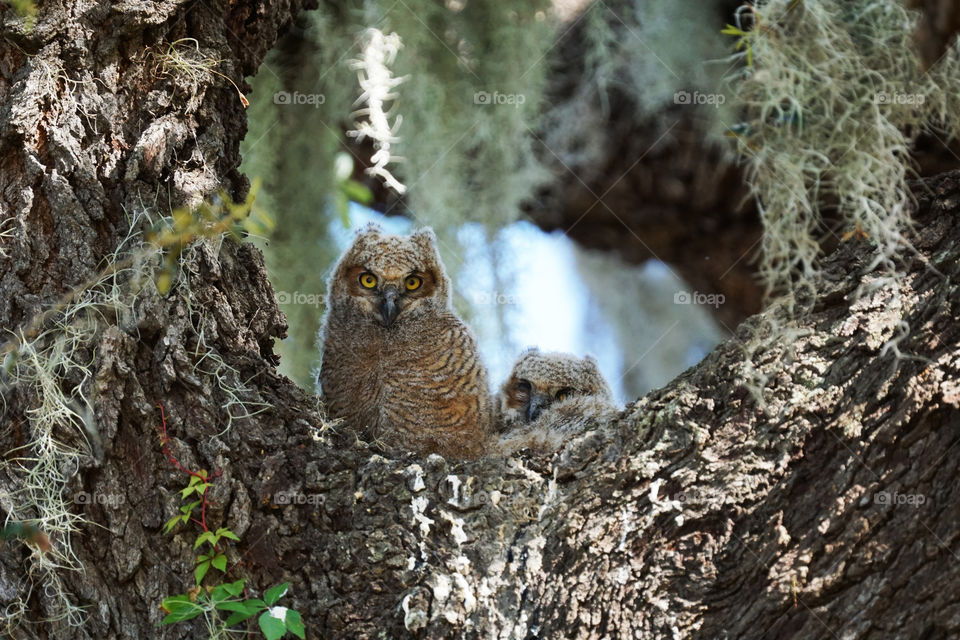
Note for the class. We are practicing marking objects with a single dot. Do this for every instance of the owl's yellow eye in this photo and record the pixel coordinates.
(368, 280)
(563, 394)
(412, 283)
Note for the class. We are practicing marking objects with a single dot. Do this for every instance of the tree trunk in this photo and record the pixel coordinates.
(830, 512)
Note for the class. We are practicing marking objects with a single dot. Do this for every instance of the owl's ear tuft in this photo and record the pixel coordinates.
(369, 232)
(370, 229)
(526, 355)
(592, 363)
(425, 238)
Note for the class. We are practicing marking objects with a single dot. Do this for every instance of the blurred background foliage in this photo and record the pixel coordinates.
(579, 161)
(475, 124)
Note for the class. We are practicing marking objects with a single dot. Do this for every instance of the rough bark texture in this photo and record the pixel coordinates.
(94, 134)
(698, 514)
(92, 129)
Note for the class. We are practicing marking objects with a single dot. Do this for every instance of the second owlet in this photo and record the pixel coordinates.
(549, 397)
(398, 365)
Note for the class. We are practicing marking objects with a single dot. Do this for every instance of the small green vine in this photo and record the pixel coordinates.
(222, 599)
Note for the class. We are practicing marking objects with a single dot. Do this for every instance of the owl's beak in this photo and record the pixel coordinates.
(538, 402)
(388, 305)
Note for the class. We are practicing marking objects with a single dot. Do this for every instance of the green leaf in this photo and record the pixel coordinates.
(223, 532)
(196, 484)
(223, 592)
(188, 508)
(219, 595)
(206, 536)
(242, 611)
(235, 588)
(172, 618)
(171, 523)
(201, 570)
(180, 608)
(358, 192)
(182, 218)
(272, 627)
(220, 562)
(164, 282)
(295, 624)
(172, 603)
(259, 222)
(275, 593)
(236, 618)
(731, 30)
(233, 605)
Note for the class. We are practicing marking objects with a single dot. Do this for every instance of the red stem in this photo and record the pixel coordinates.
(165, 441)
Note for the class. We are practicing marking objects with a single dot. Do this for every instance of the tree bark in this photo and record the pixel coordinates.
(831, 511)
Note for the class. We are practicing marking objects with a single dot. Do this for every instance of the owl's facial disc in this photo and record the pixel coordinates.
(389, 295)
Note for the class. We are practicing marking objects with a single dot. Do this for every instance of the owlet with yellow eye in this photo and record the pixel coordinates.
(548, 397)
(398, 365)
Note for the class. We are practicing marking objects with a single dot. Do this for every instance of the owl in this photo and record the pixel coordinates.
(398, 365)
(548, 397)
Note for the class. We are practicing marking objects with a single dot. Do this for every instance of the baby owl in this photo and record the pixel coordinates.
(398, 365)
(549, 397)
